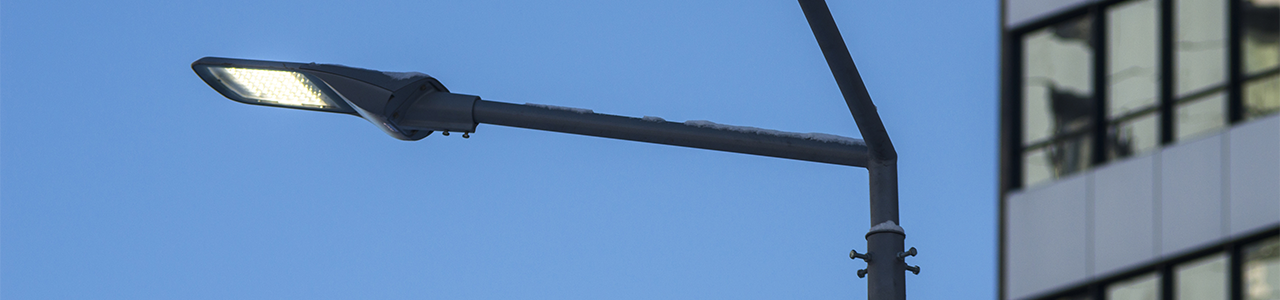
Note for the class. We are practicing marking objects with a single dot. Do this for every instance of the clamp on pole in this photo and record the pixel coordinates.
(902, 257)
(866, 257)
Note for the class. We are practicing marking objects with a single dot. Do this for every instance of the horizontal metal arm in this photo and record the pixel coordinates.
(704, 135)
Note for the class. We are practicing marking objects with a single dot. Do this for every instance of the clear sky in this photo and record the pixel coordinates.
(124, 176)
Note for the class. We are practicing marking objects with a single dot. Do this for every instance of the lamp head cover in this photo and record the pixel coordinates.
(379, 97)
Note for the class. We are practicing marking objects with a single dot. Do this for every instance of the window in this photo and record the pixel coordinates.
(1202, 279)
(1200, 59)
(1260, 57)
(1200, 116)
(1200, 45)
(1057, 100)
(1121, 78)
(1262, 270)
(1146, 287)
(1133, 78)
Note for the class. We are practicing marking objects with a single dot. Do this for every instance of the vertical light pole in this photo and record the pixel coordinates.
(886, 264)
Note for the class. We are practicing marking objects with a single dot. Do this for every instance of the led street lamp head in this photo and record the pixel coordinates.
(408, 106)
(285, 88)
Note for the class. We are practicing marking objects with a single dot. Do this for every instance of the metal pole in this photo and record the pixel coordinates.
(886, 277)
(705, 135)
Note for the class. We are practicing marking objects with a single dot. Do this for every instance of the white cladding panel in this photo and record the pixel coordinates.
(1191, 194)
(1255, 175)
(1123, 214)
(1143, 209)
(1018, 12)
(1047, 237)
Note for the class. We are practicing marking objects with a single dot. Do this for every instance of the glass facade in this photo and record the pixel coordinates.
(1057, 98)
(1200, 45)
(1146, 287)
(1260, 53)
(1262, 270)
(1102, 81)
(1200, 57)
(1133, 78)
(1202, 279)
(1125, 77)
(1200, 116)
(1262, 97)
(1258, 39)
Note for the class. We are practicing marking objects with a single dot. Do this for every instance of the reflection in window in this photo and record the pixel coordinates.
(1132, 47)
(1260, 42)
(1062, 158)
(1132, 77)
(1199, 44)
(1057, 99)
(1200, 116)
(1260, 22)
(1262, 270)
(1133, 136)
(1140, 288)
(1202, 279)
(1262, 97)
(1035, 166)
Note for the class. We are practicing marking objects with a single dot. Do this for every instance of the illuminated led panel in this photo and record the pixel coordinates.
(281, 87)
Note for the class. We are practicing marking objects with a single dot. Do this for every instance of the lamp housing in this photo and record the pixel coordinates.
(407, 106)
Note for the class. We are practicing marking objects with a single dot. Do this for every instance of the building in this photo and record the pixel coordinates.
(1140, 149)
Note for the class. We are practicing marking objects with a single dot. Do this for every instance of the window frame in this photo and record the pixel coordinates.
(1166, 106)
(1010, 130)
(1167, 268)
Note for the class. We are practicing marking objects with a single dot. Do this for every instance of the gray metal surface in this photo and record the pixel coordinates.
(438, 111)
(885, 277)
(847, 78)
(669, 133)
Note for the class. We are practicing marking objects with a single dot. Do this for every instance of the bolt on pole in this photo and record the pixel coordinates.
(886, 277)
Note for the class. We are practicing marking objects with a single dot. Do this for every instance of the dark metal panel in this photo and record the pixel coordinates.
(1235, 272)
(1098, 38)
(1235, 70)
(1166, 281)
(1166, 72)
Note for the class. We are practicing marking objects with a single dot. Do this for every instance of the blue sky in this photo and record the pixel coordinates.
(124, 176)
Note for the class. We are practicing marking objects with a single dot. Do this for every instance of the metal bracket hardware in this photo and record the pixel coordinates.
(902, 257)
(866, 257)
(853, 254)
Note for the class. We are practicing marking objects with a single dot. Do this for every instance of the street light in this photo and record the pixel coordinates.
(410, 106)
(401, 104)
